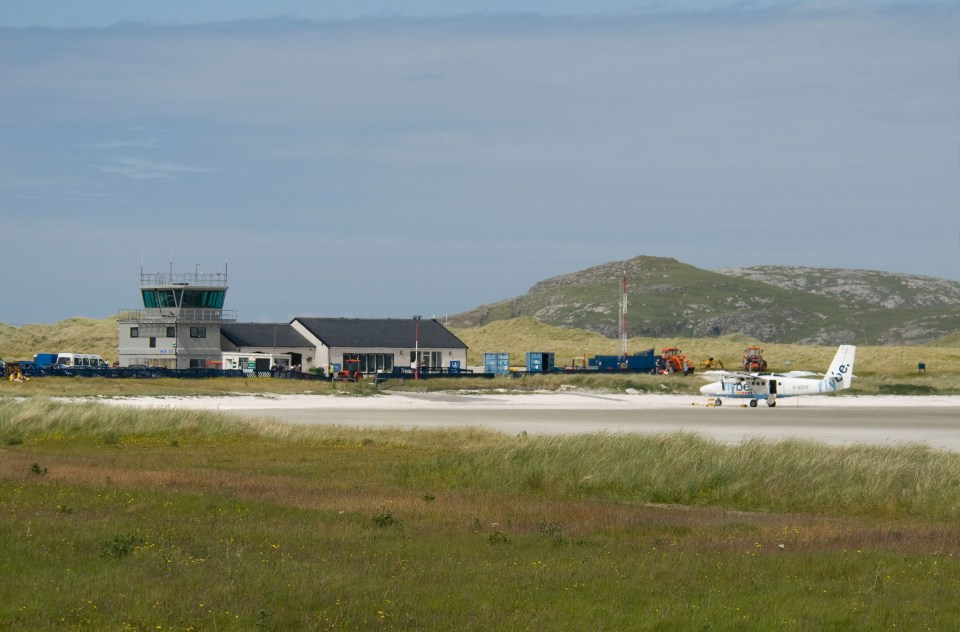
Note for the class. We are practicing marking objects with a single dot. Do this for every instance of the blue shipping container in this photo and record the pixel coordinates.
(539, 362)
(496, 363)
(642, 361)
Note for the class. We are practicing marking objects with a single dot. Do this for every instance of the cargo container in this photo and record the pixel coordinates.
(496, 363)
(640, 362)
(539, 362)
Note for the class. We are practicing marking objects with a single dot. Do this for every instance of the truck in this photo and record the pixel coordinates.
(45, 359)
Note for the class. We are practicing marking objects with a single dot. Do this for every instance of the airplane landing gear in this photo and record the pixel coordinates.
(753, 403)
(718, 402)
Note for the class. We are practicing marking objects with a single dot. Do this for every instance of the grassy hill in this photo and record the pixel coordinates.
(79, 335)
(668, 298)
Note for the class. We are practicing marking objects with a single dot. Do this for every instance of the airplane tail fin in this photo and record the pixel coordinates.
(840, 374)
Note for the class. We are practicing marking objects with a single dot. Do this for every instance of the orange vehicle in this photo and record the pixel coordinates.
(673, 361)
(350, 371)
(753, 360)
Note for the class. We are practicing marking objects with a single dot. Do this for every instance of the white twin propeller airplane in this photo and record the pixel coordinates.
(755, 387)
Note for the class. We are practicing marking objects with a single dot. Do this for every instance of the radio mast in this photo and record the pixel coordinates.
(623, 317)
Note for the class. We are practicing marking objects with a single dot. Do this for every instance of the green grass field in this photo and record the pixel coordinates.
(114, 519)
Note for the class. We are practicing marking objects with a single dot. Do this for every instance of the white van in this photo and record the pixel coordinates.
(81, 360)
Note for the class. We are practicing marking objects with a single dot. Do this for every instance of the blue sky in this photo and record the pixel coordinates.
(390, 159)
(100, 13)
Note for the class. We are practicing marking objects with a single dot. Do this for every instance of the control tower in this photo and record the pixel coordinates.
(179, 324)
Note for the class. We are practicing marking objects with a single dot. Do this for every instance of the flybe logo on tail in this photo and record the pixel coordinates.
(841, 372)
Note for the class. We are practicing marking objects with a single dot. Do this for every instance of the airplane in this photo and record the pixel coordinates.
(754, 386)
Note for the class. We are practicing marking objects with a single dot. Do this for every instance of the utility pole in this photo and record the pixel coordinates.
(416, 348)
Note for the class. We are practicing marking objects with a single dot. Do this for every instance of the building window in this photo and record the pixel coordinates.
(196, 364)
(373, 362)
(428, 359)
(153, 342)
(168, 298)
(134, 332)
(171, 332)
(198, 332)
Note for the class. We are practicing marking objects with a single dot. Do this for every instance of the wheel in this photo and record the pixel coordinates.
(753, 403)
(771, 404)
(718, 402)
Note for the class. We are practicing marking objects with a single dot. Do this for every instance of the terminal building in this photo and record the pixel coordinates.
(183, 325)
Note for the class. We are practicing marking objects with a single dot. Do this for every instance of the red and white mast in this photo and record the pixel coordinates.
(623, 317)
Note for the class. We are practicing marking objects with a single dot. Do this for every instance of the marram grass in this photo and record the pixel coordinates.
(677, 468)
(40, 420)
(120, 519)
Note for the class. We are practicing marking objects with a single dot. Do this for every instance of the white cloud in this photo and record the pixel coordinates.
(144, 169)
(114, 143)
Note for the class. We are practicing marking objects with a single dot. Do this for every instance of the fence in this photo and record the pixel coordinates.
(34, 370)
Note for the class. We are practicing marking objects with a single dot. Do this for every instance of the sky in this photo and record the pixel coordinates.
(386, 159)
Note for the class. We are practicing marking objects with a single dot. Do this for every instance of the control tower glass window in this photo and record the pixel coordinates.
(203, 298)
(161, 298)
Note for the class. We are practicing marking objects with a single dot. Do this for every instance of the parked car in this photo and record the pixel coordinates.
(29, 367)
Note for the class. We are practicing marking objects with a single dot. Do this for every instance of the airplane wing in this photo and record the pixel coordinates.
(729, 375)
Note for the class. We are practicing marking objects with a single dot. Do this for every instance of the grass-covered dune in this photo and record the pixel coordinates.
(125, 519)
(518, 336)
(79, 335)
(521, 335)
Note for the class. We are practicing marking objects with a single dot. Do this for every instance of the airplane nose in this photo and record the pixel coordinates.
(710, 389)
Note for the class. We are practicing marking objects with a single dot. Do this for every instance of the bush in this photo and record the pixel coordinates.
(120, 545)
(384, 518)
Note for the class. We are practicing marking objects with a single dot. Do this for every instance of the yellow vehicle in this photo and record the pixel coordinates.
(712, 364)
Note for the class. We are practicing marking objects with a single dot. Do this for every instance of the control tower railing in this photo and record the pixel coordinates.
(183, 315)
(159, 279)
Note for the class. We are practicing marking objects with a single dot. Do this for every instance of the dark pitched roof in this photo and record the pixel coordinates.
(263, 335)
(380, 332)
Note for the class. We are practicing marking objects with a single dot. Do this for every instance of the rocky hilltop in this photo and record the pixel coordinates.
(858, 288)
(770, 303)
